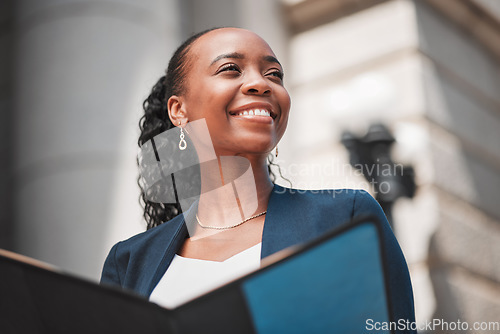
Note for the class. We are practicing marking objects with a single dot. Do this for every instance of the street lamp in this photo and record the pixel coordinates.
(371, 154)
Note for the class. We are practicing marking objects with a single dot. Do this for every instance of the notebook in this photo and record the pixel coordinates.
(333, 284)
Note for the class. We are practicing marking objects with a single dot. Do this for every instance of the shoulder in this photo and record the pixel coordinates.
(149, 239)
(143, 250)
(322, 209)
(340, 205)
(348, 199)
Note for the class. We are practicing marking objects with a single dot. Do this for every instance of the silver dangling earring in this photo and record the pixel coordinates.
(276, 151)
(182, 142)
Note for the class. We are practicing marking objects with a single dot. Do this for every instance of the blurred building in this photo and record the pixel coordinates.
(430, 70)
(74, 74)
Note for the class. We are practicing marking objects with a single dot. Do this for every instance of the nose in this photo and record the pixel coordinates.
(256, 84)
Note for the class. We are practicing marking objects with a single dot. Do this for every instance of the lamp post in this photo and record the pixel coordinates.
(371, 154)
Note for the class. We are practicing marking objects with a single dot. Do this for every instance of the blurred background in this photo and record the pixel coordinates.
(74, 74)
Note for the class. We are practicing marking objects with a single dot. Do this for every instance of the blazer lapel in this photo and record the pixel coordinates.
(286, 221)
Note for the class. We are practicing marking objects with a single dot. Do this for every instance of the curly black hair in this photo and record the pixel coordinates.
(155, 121)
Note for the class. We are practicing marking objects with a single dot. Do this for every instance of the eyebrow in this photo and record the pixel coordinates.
(272, 59)
(236, 55)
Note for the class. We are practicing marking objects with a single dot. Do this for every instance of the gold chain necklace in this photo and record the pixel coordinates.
(228, 227)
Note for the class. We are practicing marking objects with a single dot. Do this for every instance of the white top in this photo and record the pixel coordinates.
(186, 278)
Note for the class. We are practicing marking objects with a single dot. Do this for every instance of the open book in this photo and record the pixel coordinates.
(334, 284)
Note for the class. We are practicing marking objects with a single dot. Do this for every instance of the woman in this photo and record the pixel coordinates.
(230, 80)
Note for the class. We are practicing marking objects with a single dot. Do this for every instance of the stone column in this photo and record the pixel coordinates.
(82, 71)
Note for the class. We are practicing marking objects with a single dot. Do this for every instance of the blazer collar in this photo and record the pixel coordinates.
(283, 227)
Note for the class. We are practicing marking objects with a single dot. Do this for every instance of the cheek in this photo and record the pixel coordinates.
(209, 100)
(284, 98)
(282, 127)
(285, 103)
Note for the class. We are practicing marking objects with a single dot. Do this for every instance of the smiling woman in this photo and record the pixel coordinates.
(234, 83)
(230, 81)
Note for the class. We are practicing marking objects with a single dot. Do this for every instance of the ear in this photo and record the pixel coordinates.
(177, 110)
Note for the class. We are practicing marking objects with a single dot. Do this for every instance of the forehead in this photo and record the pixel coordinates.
(229, 40)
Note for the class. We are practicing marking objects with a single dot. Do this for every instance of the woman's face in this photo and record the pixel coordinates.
(234, 82)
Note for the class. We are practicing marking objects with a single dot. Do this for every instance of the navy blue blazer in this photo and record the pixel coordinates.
(293, 216)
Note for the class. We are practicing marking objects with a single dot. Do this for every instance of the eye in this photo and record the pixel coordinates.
(229, 68)
(277, 73)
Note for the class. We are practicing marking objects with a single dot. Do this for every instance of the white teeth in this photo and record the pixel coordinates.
(256, 112)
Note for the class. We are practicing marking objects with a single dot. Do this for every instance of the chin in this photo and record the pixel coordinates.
(246, 142)
(262, 148)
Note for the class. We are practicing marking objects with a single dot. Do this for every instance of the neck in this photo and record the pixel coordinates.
(233, 188)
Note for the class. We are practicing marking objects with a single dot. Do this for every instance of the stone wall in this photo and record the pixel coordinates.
(462, 80)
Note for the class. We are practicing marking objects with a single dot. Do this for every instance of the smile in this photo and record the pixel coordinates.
(255, 115)
(257, 111)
